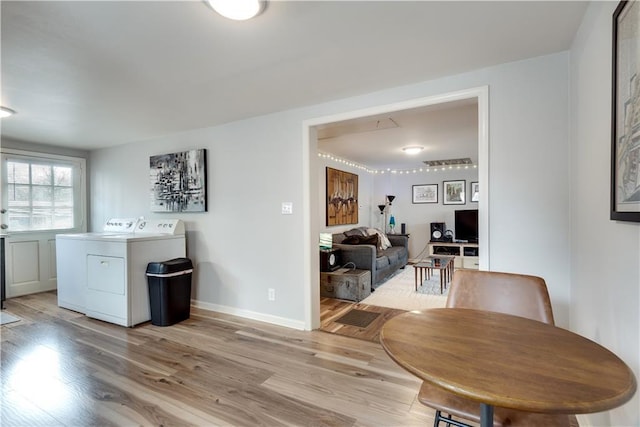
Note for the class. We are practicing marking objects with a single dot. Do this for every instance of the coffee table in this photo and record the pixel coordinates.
(508, 361)
(427, 264)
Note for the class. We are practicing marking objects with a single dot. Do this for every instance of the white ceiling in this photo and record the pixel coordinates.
(91, 74)
(445, 131)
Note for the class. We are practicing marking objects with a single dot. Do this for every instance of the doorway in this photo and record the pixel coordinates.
(311, 199)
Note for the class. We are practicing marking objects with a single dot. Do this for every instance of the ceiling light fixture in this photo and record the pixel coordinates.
(436, 167)
(449, 162)
(6, 112)
(239, 10)
(412, 150)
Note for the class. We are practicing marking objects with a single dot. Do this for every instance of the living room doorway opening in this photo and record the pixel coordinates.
(313, 200)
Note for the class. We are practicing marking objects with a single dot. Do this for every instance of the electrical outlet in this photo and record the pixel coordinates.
(272, 294)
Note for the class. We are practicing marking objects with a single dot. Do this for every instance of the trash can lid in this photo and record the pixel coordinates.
(170, 266)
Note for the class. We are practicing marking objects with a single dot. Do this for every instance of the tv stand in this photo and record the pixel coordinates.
(467, 255)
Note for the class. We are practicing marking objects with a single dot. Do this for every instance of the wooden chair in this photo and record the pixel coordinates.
(515, 294)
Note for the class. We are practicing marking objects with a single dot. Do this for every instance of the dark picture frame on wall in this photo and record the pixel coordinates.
(453, 192)
(475, 192)
(424, 193)
(625, 113)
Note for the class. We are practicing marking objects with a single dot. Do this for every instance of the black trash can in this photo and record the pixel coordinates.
(169, 290)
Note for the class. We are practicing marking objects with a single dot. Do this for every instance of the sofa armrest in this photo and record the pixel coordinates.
(398, 240)
(363, 256)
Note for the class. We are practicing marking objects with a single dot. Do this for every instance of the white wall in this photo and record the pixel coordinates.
(418, 217)
(243, 245)
(605, 254)
(42, 148)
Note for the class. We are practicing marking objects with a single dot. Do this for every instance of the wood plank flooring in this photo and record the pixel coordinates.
(60, 368)
(332, 309)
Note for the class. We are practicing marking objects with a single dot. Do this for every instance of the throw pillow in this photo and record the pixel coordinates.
(374, 232)
(363, 240)
(369, 240)
(354, 232)
(384, 241)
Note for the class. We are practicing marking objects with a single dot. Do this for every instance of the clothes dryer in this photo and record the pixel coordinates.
(111, 269)
(71, 253)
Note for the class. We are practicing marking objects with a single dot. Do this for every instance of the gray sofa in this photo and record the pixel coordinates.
(382, 264)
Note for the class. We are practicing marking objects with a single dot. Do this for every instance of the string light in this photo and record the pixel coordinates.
(392, 171)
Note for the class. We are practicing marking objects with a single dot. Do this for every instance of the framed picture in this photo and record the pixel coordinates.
(454, 192)
(178, 182)
(625, 120)
(342, 197)
(475, 196)
(425, 193)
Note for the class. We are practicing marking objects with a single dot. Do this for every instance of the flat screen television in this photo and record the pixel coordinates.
(466, 223)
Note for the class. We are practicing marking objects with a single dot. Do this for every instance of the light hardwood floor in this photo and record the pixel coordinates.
(332, 309)
(60, 368)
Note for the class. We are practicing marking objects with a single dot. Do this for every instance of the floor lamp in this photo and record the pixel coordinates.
(383, 217)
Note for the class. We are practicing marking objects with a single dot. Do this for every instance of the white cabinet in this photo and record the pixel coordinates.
(466, 254)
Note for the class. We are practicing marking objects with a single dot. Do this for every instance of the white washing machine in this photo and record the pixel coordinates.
(103, 275)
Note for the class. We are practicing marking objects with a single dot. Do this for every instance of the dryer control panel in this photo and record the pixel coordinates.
(160, 226)
(120, 225)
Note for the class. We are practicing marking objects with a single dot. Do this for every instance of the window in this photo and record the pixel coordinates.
(43, 193)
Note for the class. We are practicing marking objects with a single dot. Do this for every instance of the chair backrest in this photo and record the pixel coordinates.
(516, 294)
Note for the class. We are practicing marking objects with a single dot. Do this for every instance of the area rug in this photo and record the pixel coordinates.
(399, 292)
(359, 318)
(432, 287)
(7, 318)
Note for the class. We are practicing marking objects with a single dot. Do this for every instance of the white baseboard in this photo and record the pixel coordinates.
(248, 314)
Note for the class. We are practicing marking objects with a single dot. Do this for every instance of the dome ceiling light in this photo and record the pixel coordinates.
(413, 150)
(6, 112)
(239, 10)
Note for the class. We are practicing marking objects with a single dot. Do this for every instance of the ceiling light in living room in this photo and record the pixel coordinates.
(239, 10)
(413, 150)
(6, 112)
(449, 162)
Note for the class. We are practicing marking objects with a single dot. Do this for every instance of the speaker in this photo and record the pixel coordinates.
(403, 228)
(437, 231)
(329, 259)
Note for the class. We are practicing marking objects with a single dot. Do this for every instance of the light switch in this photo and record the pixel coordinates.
(287, 208)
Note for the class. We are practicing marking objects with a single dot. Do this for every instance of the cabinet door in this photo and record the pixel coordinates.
(471, 262)
(30, 262)
(458, 262)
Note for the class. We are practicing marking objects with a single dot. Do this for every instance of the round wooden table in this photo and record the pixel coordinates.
(513, 362)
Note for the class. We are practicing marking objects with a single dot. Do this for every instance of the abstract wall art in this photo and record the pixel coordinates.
(342, 197)
(178, 182)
